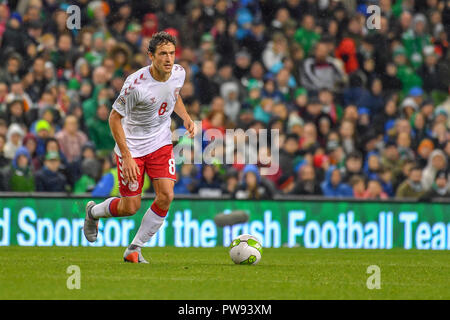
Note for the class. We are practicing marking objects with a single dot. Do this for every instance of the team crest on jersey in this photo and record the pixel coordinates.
(152, 100)
(121, 100)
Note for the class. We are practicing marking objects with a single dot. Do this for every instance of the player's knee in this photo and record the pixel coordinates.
(166, 196)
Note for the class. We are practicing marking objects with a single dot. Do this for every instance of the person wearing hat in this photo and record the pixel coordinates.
(43, 131)
(408, 107)
(405, 73)
(300, 99)
(437, 160)
(133, 35)
(13, 37)
(252, 185)
(440, 115)
(295, 124)
(14, 138)
(49, 179)
(18, 177)
(439, 189)
(417, 94)
(415, 39)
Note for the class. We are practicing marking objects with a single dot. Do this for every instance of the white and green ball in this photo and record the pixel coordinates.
(245, 249)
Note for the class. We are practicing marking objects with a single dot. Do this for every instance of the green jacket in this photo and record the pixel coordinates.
(414, 45)
(100, 134)
(21, 180)
(90, 105)
(408, 77)
(306, 39)
(84, 184)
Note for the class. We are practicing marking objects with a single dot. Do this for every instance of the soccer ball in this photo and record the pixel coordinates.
(245, 249)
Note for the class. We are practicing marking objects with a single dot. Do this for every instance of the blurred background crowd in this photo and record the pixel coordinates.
(361, 112)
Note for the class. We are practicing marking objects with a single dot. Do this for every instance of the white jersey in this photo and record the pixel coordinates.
(146, 106)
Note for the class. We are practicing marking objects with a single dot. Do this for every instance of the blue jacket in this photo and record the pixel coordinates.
(329, 190)
(49, 181)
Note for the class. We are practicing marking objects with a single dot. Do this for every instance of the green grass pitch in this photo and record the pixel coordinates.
(201, 273)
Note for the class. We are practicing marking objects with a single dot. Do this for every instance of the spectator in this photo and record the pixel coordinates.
(90, 171)
(185, 180)
(231, 183)
(49, 179)
(4, 161)
(13, 141)
(436, 161)
(275, 51)
(108, 182)
(307, 183)
(358, 186)
(331, 76)
(333, 185)
(70, 139)
(385, 178)
(353, 166)
(313, 71)
(206, 87)
(252, 185)
(306, 35)
(99, 130)
(209, 185)
(411, 187)
(374, 190)
(19, 176)
(10, 74)
(30, 142)
(439, 189)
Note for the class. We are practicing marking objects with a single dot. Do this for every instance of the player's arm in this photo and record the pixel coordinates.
(180, 110)
(129, 167)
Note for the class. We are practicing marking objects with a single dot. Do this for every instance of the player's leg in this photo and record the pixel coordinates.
(127, 205)
(161, 169)
(154, 217)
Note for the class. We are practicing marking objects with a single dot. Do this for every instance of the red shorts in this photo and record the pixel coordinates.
(159, 164)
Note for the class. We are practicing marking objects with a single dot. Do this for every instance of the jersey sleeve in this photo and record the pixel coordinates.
(126, 99)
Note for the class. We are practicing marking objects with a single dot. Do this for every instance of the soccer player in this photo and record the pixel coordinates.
(140, 124)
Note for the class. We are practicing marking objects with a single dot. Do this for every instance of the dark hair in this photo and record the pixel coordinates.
(160, 38)
(355, 155)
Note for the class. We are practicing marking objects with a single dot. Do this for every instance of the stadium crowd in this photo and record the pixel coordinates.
(362, 112)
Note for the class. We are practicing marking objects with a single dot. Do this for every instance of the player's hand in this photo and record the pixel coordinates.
(130, 169)
(190, 127)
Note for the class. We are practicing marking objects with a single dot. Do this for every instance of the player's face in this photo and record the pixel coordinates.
(164, 57)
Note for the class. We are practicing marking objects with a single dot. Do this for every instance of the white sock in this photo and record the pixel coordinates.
(101, 210)
(150, 224)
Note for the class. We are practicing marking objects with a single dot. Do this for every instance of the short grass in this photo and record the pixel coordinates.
(200, 273)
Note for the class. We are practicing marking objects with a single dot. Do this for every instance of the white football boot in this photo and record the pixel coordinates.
(90, 224)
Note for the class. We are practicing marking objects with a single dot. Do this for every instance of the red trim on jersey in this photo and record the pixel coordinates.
(160, 212)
